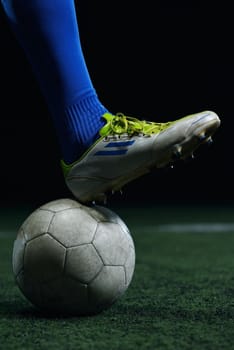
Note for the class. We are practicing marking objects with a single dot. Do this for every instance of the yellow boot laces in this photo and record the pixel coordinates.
(122, 124)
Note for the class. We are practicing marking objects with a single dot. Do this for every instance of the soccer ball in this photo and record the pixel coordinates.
(73, 259)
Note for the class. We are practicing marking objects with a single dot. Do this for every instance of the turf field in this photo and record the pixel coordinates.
(181, 296)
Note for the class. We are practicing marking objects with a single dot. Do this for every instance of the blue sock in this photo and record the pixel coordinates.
(48, 32)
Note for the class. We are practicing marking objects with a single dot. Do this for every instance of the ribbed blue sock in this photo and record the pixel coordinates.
(48, 32)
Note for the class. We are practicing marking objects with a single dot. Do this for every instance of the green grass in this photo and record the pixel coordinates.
(181, 296)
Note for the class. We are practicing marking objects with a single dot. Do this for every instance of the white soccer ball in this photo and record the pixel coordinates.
(71, 258)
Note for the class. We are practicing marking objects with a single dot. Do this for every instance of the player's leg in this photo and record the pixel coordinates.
(48, 32)
(126, 148)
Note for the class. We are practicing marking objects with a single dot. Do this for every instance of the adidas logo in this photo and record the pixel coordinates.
(115, 148)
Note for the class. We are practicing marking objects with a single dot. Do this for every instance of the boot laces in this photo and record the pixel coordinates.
(122, 124)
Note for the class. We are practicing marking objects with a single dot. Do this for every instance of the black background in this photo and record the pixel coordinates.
(152, 60)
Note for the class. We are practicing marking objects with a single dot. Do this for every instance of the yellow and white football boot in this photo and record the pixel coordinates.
(128, 148)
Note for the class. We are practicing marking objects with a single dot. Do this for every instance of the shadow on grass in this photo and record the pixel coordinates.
(24, 310)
